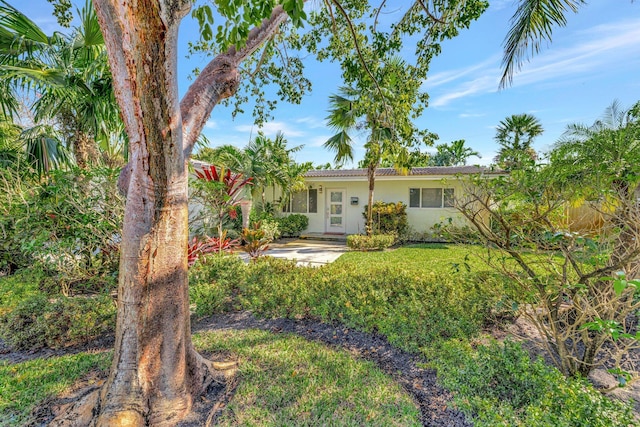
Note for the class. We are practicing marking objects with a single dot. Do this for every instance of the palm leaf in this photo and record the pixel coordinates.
(532, 23)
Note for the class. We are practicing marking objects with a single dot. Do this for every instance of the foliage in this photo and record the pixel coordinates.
(373, 242)
(214, 283)
(451, 232)
(498, 385)
(68, 79)
(199, 247)
(219, 191)
(515, 134)
(533, 23)
(308, 386)
(268, 162)
(292, 225)
(38, 321)
(68, 224)
(563, 281)
(28, 384)
(414, 296)
(452, 154)
(255, 241)
(271, 229)
(388, 218)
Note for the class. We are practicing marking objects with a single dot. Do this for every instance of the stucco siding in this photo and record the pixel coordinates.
(387, 189)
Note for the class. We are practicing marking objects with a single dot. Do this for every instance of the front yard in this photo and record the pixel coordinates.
(434, 303)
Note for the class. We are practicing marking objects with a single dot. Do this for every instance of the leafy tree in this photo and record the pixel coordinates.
(515, 134)
(156, 372)
(453, 154)
(602, 163)
(71, 81)
(384, 112)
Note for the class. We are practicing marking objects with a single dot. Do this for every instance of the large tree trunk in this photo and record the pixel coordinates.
(156, 373)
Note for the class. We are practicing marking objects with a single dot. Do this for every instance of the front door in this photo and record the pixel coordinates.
(335, 212)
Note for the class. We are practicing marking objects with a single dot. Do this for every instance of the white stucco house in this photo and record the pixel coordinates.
(335, 199)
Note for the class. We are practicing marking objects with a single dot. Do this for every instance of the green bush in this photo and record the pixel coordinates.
(292, 225)
(68, 224)
(38, 322)
(388, 218)
(214, 283)
(412, 309)
(499, 385)
(358, 242)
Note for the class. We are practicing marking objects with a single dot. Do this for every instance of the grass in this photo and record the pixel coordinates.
(285, 380)
(23, 386)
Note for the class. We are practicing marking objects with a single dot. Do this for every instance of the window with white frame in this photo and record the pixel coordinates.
(431, 197)
(305, 201)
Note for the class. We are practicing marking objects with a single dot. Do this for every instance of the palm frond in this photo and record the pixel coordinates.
(532, 23)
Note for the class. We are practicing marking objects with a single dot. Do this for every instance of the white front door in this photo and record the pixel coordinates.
(335, 222)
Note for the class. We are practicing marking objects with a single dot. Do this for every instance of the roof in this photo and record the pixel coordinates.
(426, 171)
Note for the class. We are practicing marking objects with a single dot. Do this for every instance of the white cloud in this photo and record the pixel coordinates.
(311, 122)
(597, 50)
(271, 129)
(470, 115)
(482, 84)
(211, 124)
(317, 141)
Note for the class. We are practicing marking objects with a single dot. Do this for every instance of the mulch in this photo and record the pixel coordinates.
(405, 368)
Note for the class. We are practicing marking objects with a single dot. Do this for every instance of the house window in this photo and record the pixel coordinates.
(431, 197)
(303, 202)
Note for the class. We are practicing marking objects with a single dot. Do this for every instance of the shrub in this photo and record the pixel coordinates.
(68, 224)
(271, 229)
(292, 225)
(388, 218)
(214, 282)
(498, 385)
(255, 242)
(37, 322)
(374, 242)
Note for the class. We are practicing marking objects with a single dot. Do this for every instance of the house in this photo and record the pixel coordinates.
(335, 200)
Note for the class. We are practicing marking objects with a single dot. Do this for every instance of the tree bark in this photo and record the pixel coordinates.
(371, 178)
(156, 372)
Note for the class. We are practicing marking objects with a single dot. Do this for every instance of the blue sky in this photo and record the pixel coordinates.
(591, 62)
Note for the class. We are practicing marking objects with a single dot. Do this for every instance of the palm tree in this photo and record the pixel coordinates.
(453, 154)
(384, 111)
(72, 81)
(266, 161)
(515, 134)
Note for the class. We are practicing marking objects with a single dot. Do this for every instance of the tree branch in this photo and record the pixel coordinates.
(219, 80)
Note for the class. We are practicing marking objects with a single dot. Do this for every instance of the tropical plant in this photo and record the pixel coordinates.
(569, 285)
(70, 79)
(515, 134)
(531, 24)
(386, 117)
(219, 191)
(267, 161)
(255, 241)
(602, 163)
(452, 154)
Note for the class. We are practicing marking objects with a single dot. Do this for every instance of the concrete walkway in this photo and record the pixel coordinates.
(308, 252)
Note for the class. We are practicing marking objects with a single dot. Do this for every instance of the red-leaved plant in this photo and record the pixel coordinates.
(199, 247)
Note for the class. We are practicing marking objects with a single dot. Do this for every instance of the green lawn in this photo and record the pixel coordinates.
(286, 380)
(433, 299)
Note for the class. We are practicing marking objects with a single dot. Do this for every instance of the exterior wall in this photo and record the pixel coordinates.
(387, 189)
